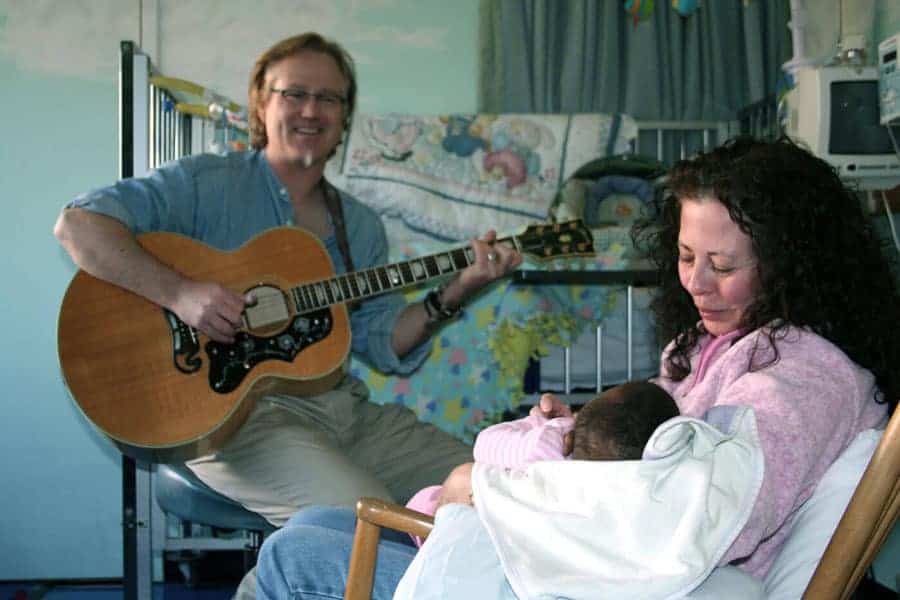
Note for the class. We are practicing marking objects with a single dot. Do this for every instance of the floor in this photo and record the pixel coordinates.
(216, 583)
(179, 591)
(106, 591)
(214, 576)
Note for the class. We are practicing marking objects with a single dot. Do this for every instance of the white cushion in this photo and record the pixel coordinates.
(817, 519)
(731, 583)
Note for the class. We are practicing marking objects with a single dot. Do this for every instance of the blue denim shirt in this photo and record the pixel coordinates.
(224, 201)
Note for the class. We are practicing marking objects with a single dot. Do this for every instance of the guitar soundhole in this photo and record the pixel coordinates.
(230, 363)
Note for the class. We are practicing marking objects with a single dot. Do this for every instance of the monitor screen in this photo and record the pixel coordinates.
(855, 127)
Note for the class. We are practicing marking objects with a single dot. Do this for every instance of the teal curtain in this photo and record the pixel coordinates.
(563, 56)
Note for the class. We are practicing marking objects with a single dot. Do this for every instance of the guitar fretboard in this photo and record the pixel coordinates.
(378, 280)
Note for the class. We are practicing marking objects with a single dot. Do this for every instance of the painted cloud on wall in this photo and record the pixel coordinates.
(203, 40)
(76, 38)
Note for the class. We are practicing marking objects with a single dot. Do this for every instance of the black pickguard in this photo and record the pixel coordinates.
(230, 363)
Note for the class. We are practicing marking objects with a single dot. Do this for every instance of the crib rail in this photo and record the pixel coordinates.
(157, 127)
(627, 279)
(152, 132)
(760, 119)
(670, 141)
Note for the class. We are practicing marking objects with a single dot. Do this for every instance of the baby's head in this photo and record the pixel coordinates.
(617, 424)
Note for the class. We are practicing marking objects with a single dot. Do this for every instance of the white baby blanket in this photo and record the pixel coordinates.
(653, 528)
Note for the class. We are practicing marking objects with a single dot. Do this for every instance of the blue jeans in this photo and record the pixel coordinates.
(308, 558)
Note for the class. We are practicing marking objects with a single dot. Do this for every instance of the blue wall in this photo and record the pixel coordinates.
(60, 505)
(59, 508)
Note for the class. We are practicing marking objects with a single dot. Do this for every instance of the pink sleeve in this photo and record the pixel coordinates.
(514, 444)
(424, 501)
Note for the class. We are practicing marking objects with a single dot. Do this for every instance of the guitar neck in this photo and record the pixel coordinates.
(379, 280)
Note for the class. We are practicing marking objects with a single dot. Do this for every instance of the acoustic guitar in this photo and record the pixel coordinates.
(164, 392)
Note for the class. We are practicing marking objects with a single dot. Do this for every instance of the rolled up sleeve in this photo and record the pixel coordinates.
(373, 328)
(164, 200)
(373, 321)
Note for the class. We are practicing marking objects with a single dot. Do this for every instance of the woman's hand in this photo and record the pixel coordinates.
(457, 488)
(551, 407)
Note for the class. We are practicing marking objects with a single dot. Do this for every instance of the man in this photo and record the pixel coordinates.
(292, 451)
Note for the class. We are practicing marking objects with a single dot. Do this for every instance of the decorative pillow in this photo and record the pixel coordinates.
(615, 209)
(817, 519)
(576, 200)
(616, 200)
(610, 200)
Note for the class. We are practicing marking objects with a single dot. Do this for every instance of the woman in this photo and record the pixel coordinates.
(775, 292)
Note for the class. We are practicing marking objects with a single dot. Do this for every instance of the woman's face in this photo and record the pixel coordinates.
(716, 264)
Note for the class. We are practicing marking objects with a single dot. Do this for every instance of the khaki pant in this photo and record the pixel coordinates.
(328, 449)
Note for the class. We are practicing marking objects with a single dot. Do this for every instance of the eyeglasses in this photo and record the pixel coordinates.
(298, 97)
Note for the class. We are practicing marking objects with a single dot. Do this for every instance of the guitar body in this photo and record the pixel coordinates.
(162, 391)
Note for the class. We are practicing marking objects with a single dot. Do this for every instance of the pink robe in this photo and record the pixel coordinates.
(809, 406)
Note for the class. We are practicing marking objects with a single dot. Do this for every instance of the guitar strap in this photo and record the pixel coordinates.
(333, 203)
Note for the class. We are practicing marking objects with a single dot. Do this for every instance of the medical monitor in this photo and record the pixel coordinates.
(834, 112)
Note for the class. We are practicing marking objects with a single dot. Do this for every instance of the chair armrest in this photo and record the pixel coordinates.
(394, 516)
(371, 515)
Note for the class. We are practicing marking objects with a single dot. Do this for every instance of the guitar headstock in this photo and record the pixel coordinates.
(566, 239)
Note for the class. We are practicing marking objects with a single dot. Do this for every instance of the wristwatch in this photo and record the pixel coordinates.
(437, 312)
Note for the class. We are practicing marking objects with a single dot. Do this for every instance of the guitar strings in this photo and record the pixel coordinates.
(346, 287)
(351, 286)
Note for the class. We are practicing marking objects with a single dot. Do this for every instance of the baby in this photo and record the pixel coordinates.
(615, 425)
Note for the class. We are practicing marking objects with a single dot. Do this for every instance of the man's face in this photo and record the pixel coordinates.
(304, 124)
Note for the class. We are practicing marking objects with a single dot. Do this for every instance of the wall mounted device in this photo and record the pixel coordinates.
(889, 80)
(834, 111)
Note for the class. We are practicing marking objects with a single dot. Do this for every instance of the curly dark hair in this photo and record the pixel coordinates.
(820, 263)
